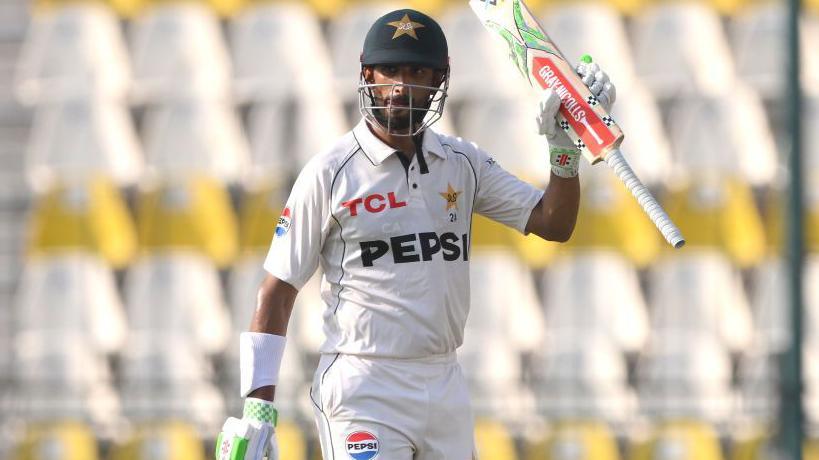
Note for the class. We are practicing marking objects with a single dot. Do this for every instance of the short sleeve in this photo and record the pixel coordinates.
(503, 197)
(294, 253)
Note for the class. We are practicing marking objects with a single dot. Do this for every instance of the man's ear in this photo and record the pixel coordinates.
(367, 73)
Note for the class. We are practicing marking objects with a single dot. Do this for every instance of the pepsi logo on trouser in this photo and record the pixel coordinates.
(362, 445)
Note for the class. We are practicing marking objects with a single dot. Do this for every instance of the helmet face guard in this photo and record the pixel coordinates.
(407, 120)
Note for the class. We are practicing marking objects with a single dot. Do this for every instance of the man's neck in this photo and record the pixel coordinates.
(404, 144)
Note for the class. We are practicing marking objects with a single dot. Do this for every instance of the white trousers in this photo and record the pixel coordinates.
(392, 409)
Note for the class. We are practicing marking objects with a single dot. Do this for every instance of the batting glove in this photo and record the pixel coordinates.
(564, 156)
(253, 437)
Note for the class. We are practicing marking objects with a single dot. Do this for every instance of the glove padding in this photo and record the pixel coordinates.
(563, 153)
(253, 437)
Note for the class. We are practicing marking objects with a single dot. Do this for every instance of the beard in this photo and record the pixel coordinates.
(399, 117)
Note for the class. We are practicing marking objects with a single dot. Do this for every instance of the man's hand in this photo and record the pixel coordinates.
(563, 153)
(253, 437)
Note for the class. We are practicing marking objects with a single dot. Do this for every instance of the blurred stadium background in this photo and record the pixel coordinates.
(147, 147)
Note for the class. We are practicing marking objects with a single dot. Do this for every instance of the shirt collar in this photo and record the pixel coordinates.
(378, 151)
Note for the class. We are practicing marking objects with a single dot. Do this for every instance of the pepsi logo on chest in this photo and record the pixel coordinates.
(362, 445)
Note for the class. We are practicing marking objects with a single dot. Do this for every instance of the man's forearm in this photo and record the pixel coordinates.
(274, 306)
(555, 215)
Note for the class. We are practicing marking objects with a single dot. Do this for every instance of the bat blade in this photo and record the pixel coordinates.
(581, 115)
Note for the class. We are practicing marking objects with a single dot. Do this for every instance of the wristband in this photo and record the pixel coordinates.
(261, 410)
(564, 161)
(260, 358)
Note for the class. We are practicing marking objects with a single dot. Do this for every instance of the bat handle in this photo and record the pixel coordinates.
(670, 232)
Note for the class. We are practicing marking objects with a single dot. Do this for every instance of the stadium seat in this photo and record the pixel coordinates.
(680, 48)
(719, 215)
(261, 207)
(700, 291)
(178, 292)
(595, 29)
(685, 374)
(124, 8)
(505, 321)
(69, 440)
(78, 140)
(161, 441)
(268, 64)
(758, 445)
(575, 440)
(346, 40)
(759, 35)
(610, 219)
(71, 291)
(194, 215)
(90, 217)
(680, 440)
(283, 134)
(75, 51)
(178, 51)
(186, 137)
(493, 441)
(480, 67)
(583, 375)
(60, 375)
(595, 292)
(506, 129)
(725, 135)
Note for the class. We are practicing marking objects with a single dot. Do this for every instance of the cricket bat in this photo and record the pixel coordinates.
(581, 115)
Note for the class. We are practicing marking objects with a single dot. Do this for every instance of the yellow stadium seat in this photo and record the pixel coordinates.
(68, 440)
(534, 251)
(494, 441)
(757, 446)
(195, 214)
(679, 440)
(292, 442)
(223, 8)
(169, 440)
(775, 224)
(328, 9)
(719, 215)
(610, 218)
(125, 8)
(260, 212)
(90, 216)
(576, 440)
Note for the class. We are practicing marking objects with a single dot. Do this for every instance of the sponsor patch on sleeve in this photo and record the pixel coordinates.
(283, 226)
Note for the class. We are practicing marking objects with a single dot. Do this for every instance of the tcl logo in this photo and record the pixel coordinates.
(374, 203)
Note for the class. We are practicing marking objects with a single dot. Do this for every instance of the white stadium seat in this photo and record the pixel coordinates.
(699, 291)
(59, 374)
(71, 292)
(505, 321)
(346, 40)
(279, 51)
(285, 134)
(726, 135)
(759, 35)
(646, 144)
(681, 48)
(506, 129)
(595, 292)
(195, 137)
(77, 140)
(178, 293)
(76, 51)
(685, 374)
(479, 62)
(178, 51)
(595, 29)
(583, 375)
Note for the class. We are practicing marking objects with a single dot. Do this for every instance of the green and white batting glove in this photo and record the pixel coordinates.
(253, 437)
(564, 156)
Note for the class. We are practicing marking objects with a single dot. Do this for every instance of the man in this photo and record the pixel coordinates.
(387, 213)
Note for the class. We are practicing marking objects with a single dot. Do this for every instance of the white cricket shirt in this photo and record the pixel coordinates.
(393, 241)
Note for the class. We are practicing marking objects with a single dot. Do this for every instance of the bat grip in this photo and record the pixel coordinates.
(670, 232)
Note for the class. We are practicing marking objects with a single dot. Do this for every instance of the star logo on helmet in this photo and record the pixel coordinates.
(405, 27)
